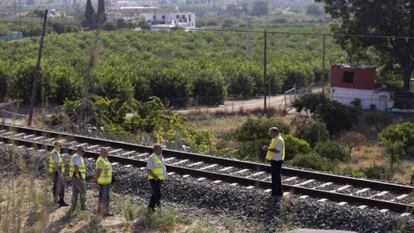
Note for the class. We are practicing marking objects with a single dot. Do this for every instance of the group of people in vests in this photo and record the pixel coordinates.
(156, 169)
(103, 176)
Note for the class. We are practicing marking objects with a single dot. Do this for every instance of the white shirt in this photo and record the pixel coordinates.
(150, 165)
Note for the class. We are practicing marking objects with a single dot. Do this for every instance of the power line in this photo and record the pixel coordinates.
(251, 31)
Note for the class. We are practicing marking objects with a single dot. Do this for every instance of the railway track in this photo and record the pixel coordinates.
(342, 189)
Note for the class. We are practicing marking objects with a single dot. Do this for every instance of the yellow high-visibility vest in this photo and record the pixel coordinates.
(157, 170)
(105, 176)
(273, 145)
(52, 162)
(82, 167)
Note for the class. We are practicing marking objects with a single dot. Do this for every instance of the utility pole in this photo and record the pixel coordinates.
(265, 69)
(247, 37)
(323, 63)
(37, 71)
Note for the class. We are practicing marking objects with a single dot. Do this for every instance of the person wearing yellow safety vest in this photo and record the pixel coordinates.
(157, 172)
(275, 153)
(77, 171)
(103, 176)
(57, 169)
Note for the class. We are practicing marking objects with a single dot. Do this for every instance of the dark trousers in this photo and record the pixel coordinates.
(78, 189)
(276, 178)
(104, 199)
(58, 187)
(156, 193)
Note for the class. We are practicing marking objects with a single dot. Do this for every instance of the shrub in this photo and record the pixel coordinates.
(376, 172)
(352, 140)
(314, 161)
(295, 146)
(313, 132)
(401, 135)
(332, 151)
(337, 116)
(378, 120)
(254, 134)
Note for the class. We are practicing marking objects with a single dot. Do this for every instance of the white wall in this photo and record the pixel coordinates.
(381, 99)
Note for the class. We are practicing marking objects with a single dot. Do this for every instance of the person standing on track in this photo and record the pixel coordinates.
(157, 172)
(77, 171)
(275, 154)
(57, 170)
(103, 176)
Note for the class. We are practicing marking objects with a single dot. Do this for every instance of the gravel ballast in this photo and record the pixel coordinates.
(240, 202)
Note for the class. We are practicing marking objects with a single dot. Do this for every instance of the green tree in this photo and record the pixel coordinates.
(90, 15)
(209, 88)
(377, 17)
(254, 134)
(398, 138)
(313, 132)
(260, 7)
(101, 15)
(295, 146)
(4, 30)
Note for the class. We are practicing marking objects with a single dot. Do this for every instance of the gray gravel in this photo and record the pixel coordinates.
(254, 205)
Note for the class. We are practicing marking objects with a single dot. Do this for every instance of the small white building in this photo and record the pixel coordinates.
(350, 82)
(155, 16)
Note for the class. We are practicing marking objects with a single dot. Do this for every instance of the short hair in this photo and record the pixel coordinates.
(80, 148)
(155, 146)
(57, 143)
(274, 130)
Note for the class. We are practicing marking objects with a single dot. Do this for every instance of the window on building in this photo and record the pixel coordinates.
(189, 18)
(163, 17)
(154, 17)
(178, 16)
(348, 77)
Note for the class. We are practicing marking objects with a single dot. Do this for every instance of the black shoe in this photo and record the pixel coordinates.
(85, 208)
(63, 204)
(151, 210)
(108, 215)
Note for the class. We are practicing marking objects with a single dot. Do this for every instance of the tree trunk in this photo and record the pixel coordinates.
(406, 73)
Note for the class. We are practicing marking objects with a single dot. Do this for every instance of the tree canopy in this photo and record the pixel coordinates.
(374, 18)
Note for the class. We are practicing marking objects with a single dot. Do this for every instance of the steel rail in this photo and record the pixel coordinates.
(338, 179)
(397, 207)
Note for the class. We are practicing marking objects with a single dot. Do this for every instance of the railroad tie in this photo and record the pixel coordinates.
(225, 169)
(306, 182)
(343, 187)
(180, 162)
(289, 179)
(18, 135)
(240, 171)
(116, 151)
(169, 159)
(255, 174)
(362, 207)
(379, 194)
(208, 167)
(195, 164)
(128, 153)
(362, 190)
(384, 211)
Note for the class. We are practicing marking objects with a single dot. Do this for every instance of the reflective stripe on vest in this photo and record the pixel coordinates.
(82, 167)
(273, 145)
(157, 170)
(52, 162)
(105, 177)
